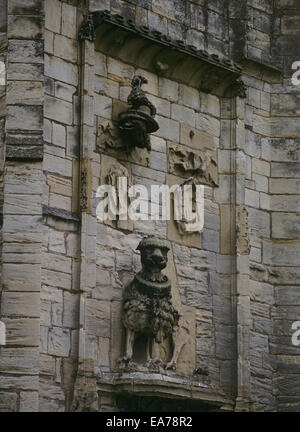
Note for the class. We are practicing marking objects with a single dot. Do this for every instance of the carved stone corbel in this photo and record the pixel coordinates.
(237, 88)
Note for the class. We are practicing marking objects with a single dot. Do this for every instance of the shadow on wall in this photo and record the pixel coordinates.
(126, 402)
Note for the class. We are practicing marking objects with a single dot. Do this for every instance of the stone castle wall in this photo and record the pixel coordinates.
(63, 271)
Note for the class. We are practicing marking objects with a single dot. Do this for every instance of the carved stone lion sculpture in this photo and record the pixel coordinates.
(147, 306)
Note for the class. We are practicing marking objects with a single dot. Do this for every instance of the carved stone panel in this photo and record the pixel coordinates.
(110, 143)
(116, 172)
(201, 165)
(111, 171)
(185, 337)
(183, 341)
(108, 138)
(176, 229)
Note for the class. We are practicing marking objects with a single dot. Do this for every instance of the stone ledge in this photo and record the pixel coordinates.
(24, 153)
(60, 214)
(164, 386)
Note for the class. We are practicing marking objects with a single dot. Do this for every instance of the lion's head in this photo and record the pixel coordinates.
(154, 254)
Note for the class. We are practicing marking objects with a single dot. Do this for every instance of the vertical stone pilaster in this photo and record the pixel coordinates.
(234, 241)
(85, 395)
(242, 294)
(22, 209)
(3, 56)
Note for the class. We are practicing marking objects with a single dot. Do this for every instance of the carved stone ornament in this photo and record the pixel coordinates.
(202, 166)
(119, 201)
(85, 395)
(148, 312)
(83, 190)
(193, 224)
(108, 138)
(85, 401)
(242, 231)
(86, 30)
(109, 142)
(136, 123)
(237, 88)
(117, 170)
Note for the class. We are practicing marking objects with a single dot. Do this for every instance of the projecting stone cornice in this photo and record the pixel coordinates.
(163, 386)
(261, 70)
(149, 49)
